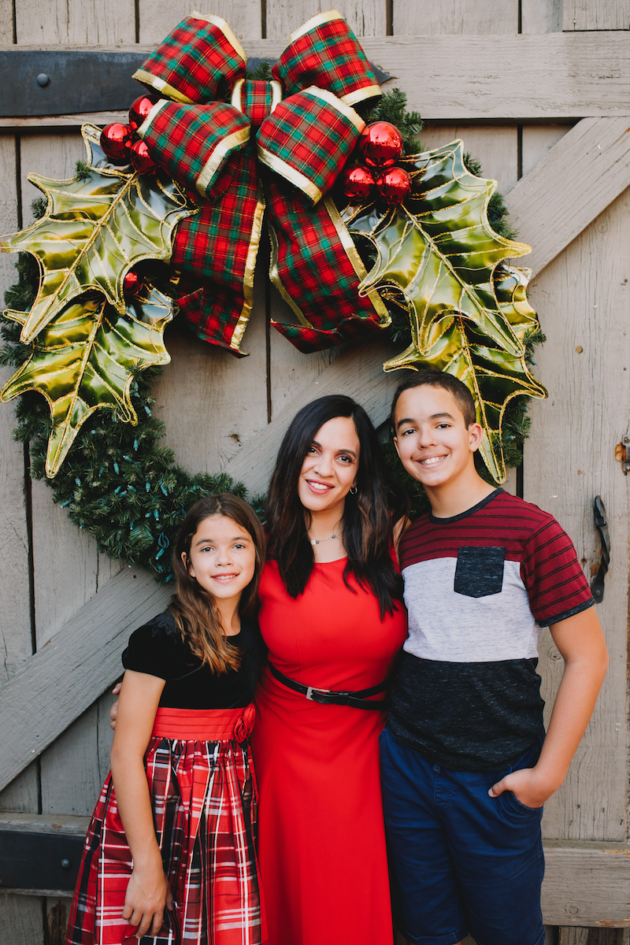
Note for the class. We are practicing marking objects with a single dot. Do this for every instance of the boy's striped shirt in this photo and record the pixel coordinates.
(478, 588)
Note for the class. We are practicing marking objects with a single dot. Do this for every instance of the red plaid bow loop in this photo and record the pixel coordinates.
(211, 147)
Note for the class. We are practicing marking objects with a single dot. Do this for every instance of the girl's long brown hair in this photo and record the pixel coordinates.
(193, 608)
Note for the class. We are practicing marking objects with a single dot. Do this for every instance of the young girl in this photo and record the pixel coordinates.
(170, 852)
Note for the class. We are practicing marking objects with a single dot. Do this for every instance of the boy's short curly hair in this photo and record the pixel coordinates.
(430, 377)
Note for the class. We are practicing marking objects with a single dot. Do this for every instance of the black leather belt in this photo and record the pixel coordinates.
(356, 699)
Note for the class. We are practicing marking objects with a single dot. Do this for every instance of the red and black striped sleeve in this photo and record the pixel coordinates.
(551, 572)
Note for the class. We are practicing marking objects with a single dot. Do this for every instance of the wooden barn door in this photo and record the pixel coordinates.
(565, 177)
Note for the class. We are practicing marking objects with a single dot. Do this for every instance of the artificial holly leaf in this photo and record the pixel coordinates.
(96, 226)
(86, 358)
(439, 259)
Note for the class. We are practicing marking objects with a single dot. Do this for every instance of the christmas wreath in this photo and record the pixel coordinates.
(368, 237)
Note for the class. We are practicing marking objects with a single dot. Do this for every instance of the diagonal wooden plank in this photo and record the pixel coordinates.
(64, 678)
(576, 180)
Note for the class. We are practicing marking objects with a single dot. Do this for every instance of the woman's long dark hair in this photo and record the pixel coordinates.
(367, 522)
(194, 609)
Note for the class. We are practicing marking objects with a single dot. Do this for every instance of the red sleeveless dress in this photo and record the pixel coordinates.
(321, 836)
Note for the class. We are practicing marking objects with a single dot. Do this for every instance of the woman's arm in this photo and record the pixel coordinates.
(148, 891)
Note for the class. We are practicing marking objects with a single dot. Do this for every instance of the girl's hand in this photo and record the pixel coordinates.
(148, 893)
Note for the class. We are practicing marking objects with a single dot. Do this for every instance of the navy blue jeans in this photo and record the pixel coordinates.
(464, 862)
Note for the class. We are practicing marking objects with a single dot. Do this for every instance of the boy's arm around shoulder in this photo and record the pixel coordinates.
(148, 891)
(582, 646)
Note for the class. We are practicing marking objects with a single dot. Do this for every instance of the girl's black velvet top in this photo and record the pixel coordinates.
(157, 648)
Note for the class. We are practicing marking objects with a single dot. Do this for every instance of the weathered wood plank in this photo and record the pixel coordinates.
(595, 15)
(158, 17)
(21, 920)
(537, 140)
(365, 17)
(423, 17)
(51, 690)
(6, 21)
(15, 628)
(74, 767)
(290, 370)
(495, 147)
(358, 372)
(16, 642)
(62, 121)
(541, 16)
(586, 885)
(75, 21)
(584, 302)
(57, 910)
(211, 401)
(520, 77)
(71, 825)
(570, 186)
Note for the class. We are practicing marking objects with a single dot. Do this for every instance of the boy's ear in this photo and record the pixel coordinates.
(475, 433)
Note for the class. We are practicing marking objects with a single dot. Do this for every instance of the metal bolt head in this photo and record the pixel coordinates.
(66, 864)
(43, 79)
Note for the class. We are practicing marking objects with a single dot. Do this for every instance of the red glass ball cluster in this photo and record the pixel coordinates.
(378, 148)
(132, 283)
(121, 143)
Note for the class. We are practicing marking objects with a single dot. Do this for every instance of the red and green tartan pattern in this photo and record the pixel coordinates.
(314, 269)
(197, 59)
(182, 138)
(328, 56)
(308, 340)
(212, 313)
(256, 100)
(311, 136)
(205, 809)
(213, 246)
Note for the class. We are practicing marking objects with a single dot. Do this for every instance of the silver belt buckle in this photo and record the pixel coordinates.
(311, 689)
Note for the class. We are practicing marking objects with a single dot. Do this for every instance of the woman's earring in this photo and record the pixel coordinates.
(353, 490)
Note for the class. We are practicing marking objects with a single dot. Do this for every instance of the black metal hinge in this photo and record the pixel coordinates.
(68, 82)
(39, 860)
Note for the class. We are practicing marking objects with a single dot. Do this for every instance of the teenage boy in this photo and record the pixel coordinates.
(466, 766)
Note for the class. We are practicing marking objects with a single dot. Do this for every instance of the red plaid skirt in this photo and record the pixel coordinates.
(204, 797)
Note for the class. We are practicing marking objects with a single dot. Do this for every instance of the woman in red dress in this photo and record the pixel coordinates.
(332, 618)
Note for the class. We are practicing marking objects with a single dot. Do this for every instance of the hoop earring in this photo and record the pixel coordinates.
(353, 490)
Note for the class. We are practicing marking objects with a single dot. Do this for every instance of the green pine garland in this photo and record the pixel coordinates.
(123, 488)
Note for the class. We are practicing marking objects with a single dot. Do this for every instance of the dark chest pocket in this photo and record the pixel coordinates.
(479, 571)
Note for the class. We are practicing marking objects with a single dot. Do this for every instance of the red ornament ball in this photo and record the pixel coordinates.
(380, 144)
(131, 283)
(141, 159)
(394, 185)
(357, 183)
(141, 108)
(115, 142)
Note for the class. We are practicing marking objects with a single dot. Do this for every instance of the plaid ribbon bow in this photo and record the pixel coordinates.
(278, 145)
